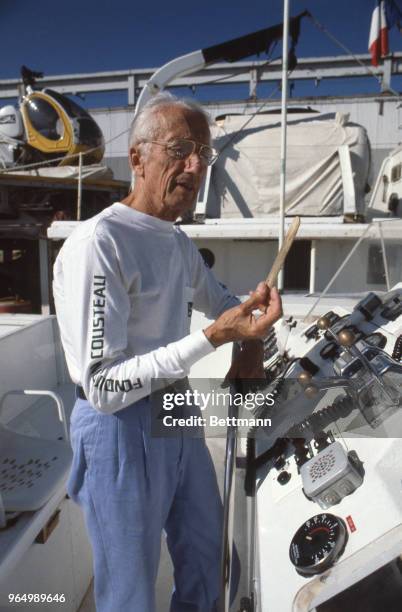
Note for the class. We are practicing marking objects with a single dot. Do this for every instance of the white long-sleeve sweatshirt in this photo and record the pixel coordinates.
(124, 287)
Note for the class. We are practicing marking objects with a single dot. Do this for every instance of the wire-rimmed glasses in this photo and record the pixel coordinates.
(182, 148)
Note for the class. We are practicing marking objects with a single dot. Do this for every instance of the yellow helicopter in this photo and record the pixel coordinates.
(47, 126)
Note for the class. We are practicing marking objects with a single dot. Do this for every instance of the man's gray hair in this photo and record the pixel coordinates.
(144, 126)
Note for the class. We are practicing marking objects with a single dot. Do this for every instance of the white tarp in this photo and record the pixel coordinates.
(93, 171)
(245, 178)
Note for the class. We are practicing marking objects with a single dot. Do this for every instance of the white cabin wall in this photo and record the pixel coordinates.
(330, 255)
(354, 277)
(115, 125)
(241, 264)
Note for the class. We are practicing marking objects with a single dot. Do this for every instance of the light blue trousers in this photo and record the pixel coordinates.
(131, 486)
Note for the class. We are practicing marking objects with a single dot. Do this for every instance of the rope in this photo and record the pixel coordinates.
(229, 76)
(64, 157)
(250, 118)
(397, 352)
(369, 70)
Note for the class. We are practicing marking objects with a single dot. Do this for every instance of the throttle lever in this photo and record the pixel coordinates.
(346, 339)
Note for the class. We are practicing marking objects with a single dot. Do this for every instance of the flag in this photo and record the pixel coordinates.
(386, 14)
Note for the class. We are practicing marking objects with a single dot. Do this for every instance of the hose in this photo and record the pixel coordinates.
(397, 352)
(317, 421)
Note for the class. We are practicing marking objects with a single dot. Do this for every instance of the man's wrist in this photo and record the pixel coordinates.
(254, 344)
(212, 336)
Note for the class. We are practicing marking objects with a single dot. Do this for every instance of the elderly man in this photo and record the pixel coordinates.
(124, 285)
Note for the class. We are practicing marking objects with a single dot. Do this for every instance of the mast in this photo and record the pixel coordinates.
(282, 192)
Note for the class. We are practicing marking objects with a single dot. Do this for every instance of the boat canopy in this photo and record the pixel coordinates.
(245, 178)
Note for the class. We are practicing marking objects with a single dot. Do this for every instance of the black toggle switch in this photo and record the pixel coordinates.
(368, 305)
(309, 365)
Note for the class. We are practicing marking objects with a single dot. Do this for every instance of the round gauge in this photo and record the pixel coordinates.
(317, 544)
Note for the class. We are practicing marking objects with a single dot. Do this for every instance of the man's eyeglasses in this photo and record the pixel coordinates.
(183, 148)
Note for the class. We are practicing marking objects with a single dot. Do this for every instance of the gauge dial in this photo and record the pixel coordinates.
(317, 544)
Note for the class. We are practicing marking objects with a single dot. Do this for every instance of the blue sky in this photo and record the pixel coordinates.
(90, 36)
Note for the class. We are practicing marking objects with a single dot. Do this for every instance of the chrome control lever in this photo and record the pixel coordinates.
(313, 387)
(347, 340)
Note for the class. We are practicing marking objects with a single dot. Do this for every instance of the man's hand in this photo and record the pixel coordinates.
(248, 363)
(239, 323)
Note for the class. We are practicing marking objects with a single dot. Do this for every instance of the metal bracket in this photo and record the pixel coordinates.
(349, 194)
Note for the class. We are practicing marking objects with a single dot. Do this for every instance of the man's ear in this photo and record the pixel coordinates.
(136, 161)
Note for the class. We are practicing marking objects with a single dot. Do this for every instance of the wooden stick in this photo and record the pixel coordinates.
(281, 256)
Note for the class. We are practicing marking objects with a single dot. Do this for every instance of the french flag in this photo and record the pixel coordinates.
(385, 15)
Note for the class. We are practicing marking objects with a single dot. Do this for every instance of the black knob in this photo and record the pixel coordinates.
(280, 463)
(309, 365)
(369, 305)
(284, 477)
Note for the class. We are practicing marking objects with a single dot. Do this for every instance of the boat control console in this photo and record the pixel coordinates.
(325, 479)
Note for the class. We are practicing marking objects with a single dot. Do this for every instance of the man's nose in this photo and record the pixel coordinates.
(195, 163)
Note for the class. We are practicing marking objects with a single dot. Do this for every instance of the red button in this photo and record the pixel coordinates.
(351, 524)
